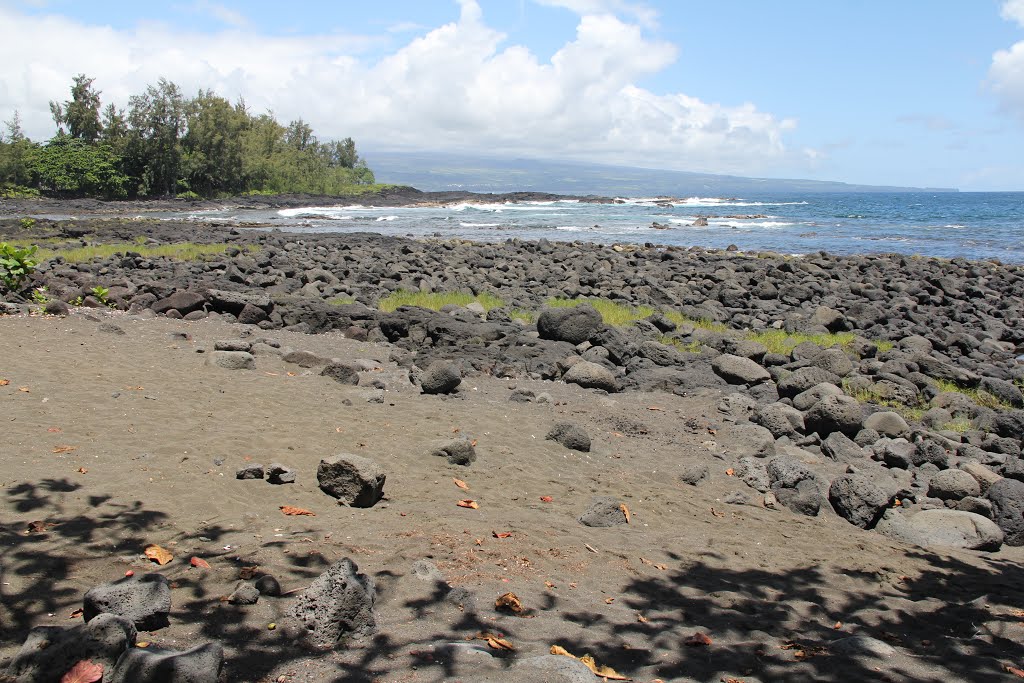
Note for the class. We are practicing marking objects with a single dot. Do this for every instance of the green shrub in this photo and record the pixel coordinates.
(341, 300)
(27, 223)
(100, 294)
(188, 195)
(16, 264)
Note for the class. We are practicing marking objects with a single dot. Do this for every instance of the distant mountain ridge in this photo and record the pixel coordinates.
(438, 172)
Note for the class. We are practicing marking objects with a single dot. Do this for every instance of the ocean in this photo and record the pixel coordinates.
(974, 225)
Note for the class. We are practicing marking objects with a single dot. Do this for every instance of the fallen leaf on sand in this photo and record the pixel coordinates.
(159, 555)
(549, 585)
(730, 472)
(142, 643)
(4, 382)
(24, 390)
(698, 639)
(65, 449)
(84, 671)
(546, 499)
(618, 434)
(461, 484)
(509, 602)
(654, 408)
(605, 672)
(467, 503)
(498, 643)
(625, 511)
(246, 573)
(1019, 673)
(199, 563)
(716, 513)
(39, 527)
(77, 613)
(644, 560)
(501, 534)
(54, 430)
(609, 601)
(641, 618)
(295, 512)
(82, 470)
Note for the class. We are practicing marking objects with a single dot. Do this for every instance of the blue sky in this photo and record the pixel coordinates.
(916, 92)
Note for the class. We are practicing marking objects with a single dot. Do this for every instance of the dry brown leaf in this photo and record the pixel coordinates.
(159, 555)
(509, 602)
(84, 671)
(65, 449)
(549, 584)
(546, 499)
(641, 618)
(199, 563)
(618, 434)
(644, 560)
(77, 613)
(730, 472)
(82, 470)
(246, 573)
(461, 484)
(698, 639)
(501, 534)
(625, 511)
(1015, 671)
(716, 513)
(291, 374)
(38, 527)
(654, 408)
(293, 511)
(473, 443)
(54, 430)
(24, 390)
(4, 382)
(609, 601)
(662, 567)
(605, 672)
(500, 644)
(467, 503)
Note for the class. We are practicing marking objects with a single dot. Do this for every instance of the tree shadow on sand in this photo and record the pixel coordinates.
(955, 621)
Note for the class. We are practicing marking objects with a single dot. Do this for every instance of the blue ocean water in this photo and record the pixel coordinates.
(973, 225)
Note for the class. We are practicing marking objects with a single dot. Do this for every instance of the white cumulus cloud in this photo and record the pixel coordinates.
(458, 87)
(1006, 74)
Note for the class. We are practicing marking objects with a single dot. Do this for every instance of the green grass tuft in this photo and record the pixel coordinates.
(437, 300)
(519, 314)
(910, 413)
(179, 251)
(341, 300)
(960, 425)
(780, 341)
(692, 347)
(979, 397)
(612, 313)
(703, 324)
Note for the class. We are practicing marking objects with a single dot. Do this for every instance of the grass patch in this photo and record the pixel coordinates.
(692, 347)
(179, 251)
(979, 397)
(341, 301)
(612, 313)
(437, 300)
(780, 341)
(868, 395)
(527, 317)
(959, 425)
(704, 324)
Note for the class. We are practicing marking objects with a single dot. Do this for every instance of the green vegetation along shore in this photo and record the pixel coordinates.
(166, 144)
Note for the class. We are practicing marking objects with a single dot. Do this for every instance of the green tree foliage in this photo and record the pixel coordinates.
(15, 150)
(68, 166)
(166, 143)
(81, 114)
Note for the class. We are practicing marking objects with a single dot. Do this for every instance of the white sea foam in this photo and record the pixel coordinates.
(387, 218)
(479, 225)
